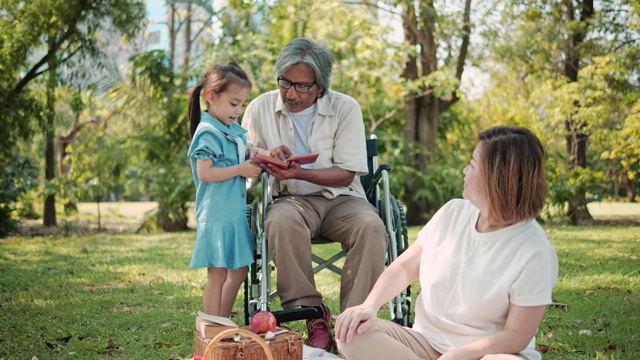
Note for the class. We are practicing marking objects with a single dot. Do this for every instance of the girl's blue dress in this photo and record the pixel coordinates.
(223, 237)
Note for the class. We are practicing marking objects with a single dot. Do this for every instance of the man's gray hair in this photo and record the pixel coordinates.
(312, 52)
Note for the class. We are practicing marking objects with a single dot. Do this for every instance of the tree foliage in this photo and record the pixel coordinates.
(72, 28)
(17, 176)
(572, 77)
(56, 37)
(568, 73)
(435, 50)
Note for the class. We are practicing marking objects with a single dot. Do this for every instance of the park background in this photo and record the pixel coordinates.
(94, 98)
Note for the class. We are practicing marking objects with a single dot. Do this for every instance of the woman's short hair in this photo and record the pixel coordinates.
(313, 53)
(513, 172)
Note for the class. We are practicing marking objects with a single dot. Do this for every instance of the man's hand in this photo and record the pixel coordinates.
(283, 174)
(281, 152)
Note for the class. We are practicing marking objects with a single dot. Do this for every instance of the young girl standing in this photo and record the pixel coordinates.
(224, 244)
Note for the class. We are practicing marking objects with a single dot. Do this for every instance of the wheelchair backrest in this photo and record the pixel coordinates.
(368, 182)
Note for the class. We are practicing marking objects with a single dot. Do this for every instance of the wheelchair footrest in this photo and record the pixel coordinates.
(301, 313)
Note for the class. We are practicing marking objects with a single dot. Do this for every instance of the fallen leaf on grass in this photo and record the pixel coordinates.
(561, 306)
(113, 345)
(105, 351)
(542, 348)
(64, 339)
(610, 347)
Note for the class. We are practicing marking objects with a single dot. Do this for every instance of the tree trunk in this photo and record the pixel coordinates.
(631, 190)
(187, 39)
(172, 35)
(576, 138)
(49, 216)
(423, 110)
(64, 140)
(411, 111)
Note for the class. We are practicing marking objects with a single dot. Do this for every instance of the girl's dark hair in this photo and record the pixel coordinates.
(218, 79)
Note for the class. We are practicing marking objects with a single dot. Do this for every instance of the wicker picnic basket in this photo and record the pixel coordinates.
(287, 346)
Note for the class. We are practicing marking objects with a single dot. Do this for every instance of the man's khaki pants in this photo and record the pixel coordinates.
(290, 224)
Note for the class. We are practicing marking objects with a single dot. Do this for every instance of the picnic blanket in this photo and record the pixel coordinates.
(311, 353)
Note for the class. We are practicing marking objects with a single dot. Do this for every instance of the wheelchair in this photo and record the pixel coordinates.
(257, 287)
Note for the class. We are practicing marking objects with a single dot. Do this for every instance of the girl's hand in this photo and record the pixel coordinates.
(250, 170)
(254, 150)
(355, 319)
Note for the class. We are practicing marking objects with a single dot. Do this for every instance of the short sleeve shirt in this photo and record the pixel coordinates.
(468, 279)
(223, 236)
(336, 133)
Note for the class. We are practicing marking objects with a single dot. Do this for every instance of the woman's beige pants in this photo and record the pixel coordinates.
(387, 340)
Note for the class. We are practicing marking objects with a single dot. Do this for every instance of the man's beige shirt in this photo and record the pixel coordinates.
(336, 133)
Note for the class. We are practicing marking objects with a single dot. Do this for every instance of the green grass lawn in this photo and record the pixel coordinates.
(130, 296)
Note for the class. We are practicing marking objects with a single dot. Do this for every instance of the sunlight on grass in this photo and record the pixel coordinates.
(606, 210)
(134, 210)
(608, 281)
(137, 209)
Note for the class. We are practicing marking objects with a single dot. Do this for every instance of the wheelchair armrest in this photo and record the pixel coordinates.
(378, 173)
(301, 313)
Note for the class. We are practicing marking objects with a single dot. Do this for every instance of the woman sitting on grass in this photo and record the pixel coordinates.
(485, 266)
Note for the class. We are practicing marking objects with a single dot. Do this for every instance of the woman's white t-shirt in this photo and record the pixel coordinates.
(468, 279)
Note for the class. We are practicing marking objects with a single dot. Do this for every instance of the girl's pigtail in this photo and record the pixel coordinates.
(194, 110)
(233, 62)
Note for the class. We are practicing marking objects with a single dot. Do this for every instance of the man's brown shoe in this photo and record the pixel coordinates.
(319, 331)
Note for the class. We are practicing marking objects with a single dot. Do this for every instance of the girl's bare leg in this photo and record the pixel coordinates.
(230, 289)
(212, 297)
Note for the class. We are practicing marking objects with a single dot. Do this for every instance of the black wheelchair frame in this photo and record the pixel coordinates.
(257, 293)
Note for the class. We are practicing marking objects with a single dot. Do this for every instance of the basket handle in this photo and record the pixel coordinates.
(247, 333)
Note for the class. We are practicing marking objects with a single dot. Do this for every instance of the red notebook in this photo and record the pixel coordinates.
(302, 159)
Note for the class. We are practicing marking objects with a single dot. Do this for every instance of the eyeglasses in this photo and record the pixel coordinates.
(301, 88)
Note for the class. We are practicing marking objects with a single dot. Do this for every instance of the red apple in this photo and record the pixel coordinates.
(263, 322)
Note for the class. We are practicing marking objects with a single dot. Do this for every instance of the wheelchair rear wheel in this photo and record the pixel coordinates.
(401, 239)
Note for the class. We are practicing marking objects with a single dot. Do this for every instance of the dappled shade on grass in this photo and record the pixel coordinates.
(133, 295)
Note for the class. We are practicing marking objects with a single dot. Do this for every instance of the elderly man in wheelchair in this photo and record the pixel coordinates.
(325, 199)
